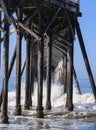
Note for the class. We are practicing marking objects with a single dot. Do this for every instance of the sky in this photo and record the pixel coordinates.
(88, 29)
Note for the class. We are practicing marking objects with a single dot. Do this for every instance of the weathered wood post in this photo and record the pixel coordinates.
(32, 67)
(65, 73)
(5, 72)
(18, 66)
(27, 85)
(84, 53)
(0, 37)
(0, 61)
(69, 102)
(49, 58)
(40, 74)
(31, 84)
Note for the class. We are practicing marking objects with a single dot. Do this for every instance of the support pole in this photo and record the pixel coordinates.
(69, 102)
(65, 73)
(0, 37)
(32, 67)
(5, 73)
(18, 67)
(0, 62)
(49, 60)
(27, 85)
(88, 68)
(40, 76)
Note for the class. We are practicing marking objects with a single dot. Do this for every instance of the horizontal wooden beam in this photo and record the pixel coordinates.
(65, 41)
(61, 43)
(28, 30)
(59, 49)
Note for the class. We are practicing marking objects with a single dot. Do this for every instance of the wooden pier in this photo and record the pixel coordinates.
(48, 27)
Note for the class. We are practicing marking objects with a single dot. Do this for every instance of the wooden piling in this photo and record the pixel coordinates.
(18, 66)
(32, 67)
(65, 73)
(0, 37)
(5, 73)
(40, 77)
(0, 60)
(69, 101)
(88, 68)
(27, 84)
(49, 58)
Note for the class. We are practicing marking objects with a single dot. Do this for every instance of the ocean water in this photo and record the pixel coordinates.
(82, 118)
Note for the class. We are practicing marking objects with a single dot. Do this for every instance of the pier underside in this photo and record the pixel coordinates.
(48, 27)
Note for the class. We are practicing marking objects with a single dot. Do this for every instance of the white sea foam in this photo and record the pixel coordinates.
(84, 102)
(84, 107)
